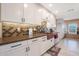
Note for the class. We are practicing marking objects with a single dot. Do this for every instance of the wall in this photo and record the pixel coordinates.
(59, 27)
(73, 36)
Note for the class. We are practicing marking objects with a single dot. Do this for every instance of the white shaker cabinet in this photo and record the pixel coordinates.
(17, 52)
(31, 47)
(43, 45)
(28, 13)
(32, 14)
(49, 44)
(3, 11)
(34, 47)
(14, 49)
(12, 12)
(38, 46)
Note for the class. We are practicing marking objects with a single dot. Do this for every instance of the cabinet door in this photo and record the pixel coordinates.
(52, 41)
(49, 44)
(31, 14)
(37, 15)
(43, 47)
(28, 13)
(13, 12)
(15, 52)
(14, 49)
(3, 9)
(34, 48)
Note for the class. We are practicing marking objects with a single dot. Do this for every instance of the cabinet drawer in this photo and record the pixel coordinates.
(31, 41)
(12, 46)
(43, 38)
(35, 40)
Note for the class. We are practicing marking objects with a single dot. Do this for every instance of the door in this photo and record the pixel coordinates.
(28, 13)
(3, 9)
(34, 48)
(43, 46)
(14, 49)
(49, 44)
(13, 12)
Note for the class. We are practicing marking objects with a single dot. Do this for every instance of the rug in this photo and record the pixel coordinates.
(54, 51)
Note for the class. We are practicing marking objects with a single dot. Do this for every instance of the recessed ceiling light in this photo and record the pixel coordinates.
(50, 5)
(25, 5)
(51, 15)
(56, 11)
(40, 10)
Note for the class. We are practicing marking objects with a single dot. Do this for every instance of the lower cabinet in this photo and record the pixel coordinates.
(43, 46)
(14, 49)
(17, 52)
(49, 44)
(37, 46)
(32, 47)
(52, 41)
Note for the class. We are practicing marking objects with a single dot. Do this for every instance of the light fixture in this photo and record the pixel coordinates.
(51, 15)
(50, 5)
(40, 10)
(56, 11)
(25, 5)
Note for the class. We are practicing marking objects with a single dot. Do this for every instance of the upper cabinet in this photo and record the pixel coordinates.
(3, 9)
(28, 13)
(25, 13)
(52, 20)
(32, 14)
(12, 12)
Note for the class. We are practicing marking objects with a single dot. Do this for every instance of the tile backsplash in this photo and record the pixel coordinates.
(0, 30)
(15, 29)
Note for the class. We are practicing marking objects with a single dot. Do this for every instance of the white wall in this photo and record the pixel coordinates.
(59, 29)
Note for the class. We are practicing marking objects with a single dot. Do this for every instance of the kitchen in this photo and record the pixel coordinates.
(26, 29)
(35, 29)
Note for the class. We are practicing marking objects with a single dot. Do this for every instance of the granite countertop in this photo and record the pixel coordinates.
(9, 40)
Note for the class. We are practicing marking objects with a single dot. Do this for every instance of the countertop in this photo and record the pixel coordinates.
(8, 40)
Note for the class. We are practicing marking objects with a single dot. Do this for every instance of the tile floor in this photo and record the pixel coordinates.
(69, 47)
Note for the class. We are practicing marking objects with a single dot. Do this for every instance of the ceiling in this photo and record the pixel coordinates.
(66, 11)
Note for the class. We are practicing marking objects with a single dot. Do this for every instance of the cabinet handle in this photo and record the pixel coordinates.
(15, 45)
(34, 40)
